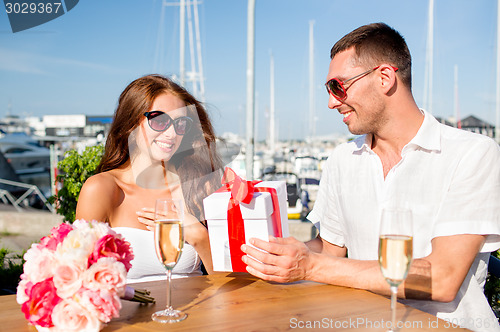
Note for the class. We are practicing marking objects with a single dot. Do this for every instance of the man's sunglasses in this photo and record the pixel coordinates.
(161, 121)
(337, 87)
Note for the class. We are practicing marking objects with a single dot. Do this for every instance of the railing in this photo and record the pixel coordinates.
(7, 197)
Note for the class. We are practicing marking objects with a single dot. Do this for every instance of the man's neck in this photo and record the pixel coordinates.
(389, 141)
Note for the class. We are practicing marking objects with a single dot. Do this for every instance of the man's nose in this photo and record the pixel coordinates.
(333, 102)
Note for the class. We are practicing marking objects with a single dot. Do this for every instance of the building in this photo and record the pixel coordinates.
(76, 125)
(471, 123)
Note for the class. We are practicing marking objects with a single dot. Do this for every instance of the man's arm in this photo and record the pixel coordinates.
(437, 276)
(446, 266)
(316, 245)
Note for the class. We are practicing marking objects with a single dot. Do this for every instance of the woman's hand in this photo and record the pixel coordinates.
(194, 231)
(147, 217)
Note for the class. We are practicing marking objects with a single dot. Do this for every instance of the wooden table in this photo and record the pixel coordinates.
(240, 302)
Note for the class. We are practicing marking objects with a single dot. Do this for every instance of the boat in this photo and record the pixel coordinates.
(310, 186)
(308, 170)
(29, 160)
(295, 195)
(7, 173)
(24, 154)
(24, 172)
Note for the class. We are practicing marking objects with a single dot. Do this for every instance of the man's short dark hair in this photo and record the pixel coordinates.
(375, 44)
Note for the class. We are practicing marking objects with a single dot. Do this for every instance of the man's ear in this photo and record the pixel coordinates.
(388, 79)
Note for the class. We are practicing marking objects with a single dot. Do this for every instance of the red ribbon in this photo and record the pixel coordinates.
(278, 232)
(242, 191)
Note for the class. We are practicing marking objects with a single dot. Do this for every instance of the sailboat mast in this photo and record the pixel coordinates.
(457, 105)
(195, 76)
(312, 123)
(250, 109)
(497, 122)
(201, 78)
(271, 108)
(192, 75)
(182, 32)
(429, 59)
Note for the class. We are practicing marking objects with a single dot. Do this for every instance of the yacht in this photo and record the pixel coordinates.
(308, 170)
(24, 154)
(296, 208)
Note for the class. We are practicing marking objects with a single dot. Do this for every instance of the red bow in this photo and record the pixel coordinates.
(241, 190)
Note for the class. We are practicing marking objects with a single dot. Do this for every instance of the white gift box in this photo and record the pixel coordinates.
(257, 219)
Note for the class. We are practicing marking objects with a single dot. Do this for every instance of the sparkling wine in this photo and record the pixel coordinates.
(395, 254)
(169, 241)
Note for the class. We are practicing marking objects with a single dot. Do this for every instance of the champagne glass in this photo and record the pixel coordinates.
(395, 250)
(169, 241)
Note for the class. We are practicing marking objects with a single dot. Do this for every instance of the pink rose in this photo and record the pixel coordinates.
(42, 300)
(23, 289)
(69, 315)
(105, 305)
(106, 274)
(67, 279)
(112, 246)
(57, 235)
(40, 264)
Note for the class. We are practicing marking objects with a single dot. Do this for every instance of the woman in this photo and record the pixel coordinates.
(161, 144)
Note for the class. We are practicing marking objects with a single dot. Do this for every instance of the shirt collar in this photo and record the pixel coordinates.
(363, 142)
(428, 136)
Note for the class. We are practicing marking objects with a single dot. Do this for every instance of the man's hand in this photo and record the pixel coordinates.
(285, 259)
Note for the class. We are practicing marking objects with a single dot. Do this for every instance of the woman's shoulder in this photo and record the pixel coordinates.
(97, 197)
(101, 183)
(102, 179)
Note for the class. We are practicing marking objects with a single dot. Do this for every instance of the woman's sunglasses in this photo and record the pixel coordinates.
(337, 87)
(161, 121)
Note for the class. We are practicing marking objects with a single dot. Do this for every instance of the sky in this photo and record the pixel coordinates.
(80, 62)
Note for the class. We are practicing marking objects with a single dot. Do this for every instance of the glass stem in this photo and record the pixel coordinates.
(169, 289)
(394, 295)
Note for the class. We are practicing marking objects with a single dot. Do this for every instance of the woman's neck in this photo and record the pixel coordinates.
(150, 174)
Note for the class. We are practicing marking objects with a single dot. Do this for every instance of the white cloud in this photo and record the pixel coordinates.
(18, 62)
(31, 63)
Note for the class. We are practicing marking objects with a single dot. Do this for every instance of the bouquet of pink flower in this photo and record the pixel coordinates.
(74, 278)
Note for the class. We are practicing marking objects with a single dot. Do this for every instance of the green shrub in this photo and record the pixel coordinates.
(11, 268)
(75, 168)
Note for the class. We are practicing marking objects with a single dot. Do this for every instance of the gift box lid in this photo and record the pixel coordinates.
(280, 186)
(260, 207)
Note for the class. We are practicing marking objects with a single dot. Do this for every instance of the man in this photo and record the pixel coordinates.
(449, 178)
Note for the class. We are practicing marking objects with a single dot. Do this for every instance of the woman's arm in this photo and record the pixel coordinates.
(196, 234)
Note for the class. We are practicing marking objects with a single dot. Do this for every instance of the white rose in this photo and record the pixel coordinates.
(77, 247)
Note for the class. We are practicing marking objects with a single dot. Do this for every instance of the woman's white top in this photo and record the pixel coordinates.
(146, 265)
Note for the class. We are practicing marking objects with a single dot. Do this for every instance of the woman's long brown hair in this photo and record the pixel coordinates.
(196, 160)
